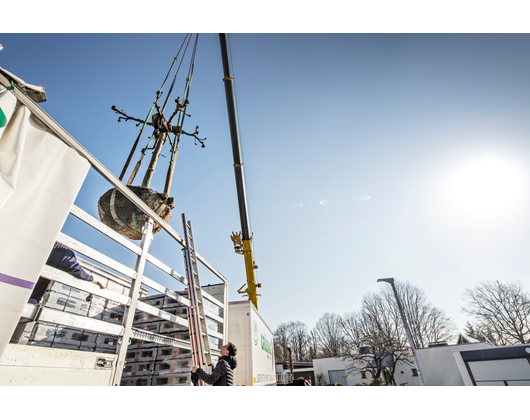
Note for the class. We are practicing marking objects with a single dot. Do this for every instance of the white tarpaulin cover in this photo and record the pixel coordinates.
(46, 175)
(9, 153)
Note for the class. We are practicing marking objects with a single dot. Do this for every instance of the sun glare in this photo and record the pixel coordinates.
(482, 190)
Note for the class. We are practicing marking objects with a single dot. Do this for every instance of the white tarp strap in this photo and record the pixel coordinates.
(49, 176)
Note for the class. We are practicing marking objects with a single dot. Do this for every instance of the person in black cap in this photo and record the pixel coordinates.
(223, 373)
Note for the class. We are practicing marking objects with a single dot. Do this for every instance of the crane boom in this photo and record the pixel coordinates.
(243, 240)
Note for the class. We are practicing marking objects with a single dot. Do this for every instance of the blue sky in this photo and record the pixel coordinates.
(433, 128)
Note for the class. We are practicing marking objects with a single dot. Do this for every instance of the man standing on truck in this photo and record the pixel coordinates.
(64, 259)
(223, 373)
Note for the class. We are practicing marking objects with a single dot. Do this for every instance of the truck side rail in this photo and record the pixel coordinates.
(126, 271)
(132, 302)
(54, 316)
(61, 277)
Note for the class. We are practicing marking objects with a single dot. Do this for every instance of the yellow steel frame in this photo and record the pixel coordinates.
(244, 247)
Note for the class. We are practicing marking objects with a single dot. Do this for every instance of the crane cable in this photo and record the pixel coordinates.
(180, 121)
(135, 145)
(185, 97)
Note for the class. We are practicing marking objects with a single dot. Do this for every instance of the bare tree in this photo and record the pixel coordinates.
(312, 346)
(329, 335)
(367, 344)
(379, 328)
(376, 337)
(299, 337)
(296, 333)
(281, 338)
(321, 380)
(427, 323)
(483, 333)
(501, 309)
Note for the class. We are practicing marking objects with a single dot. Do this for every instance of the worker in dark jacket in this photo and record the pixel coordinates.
(223, 373)
(64, 259)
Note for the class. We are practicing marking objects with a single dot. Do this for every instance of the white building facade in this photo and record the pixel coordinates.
(438, 364)
(466, 364)
(335, 370)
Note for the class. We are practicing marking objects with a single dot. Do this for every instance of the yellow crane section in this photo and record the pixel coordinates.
(242, 240)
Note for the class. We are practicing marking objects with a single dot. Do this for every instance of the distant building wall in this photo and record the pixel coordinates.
(495, 366)
(334, 370)
(438, 365)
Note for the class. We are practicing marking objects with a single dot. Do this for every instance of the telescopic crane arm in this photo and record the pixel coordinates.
(243, 240)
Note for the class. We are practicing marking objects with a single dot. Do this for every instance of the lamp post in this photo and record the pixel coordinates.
(289, 348)
(391, 282)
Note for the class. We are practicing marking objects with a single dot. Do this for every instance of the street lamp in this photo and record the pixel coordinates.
(289, 347)
(391, 282)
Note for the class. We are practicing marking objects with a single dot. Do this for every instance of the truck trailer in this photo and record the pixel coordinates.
(254, 342)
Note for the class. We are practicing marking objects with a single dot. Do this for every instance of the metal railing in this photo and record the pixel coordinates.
(131, 302)
(284, 378)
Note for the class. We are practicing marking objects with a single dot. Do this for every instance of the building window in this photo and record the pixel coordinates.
(414, 372)
(363, 374)
(337, 376)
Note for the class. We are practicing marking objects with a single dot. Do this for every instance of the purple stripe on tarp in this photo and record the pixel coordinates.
(4, 278)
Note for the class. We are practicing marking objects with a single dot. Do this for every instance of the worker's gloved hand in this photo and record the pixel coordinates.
(99, 284)
(89, 297)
